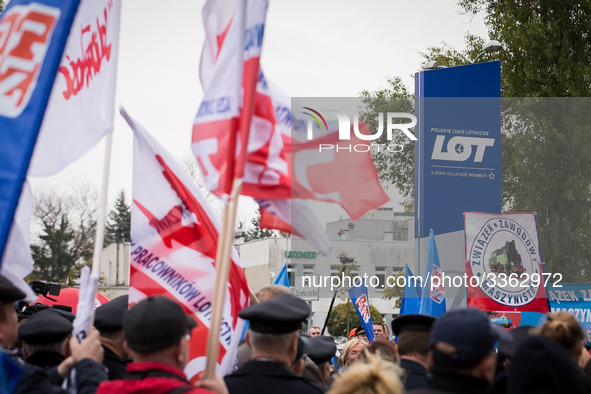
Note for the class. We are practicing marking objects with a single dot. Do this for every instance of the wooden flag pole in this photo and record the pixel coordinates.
(223, 264)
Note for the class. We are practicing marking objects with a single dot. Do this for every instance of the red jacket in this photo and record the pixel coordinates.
(149, 378)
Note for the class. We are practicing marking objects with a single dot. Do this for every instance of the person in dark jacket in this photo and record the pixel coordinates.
(86, 357)
(108, 319)
(542, 366)
(273, 337)
(156, 336)
(462, 353)
(412, 332)
(10, 368)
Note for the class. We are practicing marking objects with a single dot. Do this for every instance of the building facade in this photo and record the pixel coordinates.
(381, 244)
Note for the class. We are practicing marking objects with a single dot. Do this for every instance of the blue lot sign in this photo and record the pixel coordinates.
(458, 152)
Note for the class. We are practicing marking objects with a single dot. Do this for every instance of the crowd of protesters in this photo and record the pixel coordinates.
(145, 349)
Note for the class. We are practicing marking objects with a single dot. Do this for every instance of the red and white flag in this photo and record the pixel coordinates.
(174, 238)
(236, 118)
(81, 105)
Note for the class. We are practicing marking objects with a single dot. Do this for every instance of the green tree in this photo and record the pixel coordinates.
(256, 232)
(119, 221)
(68, 227)
(344, 317)
(394, 291)
(546, 152)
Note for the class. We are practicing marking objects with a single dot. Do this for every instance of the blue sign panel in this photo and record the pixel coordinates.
(458, 152)
(574, 298)
(34, 35)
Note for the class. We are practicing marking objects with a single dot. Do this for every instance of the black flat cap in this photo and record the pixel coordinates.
(109, 316)
(155, 324)
(359, 330)
(44, 327)
(277, 315)
(412, 322)
(320, 348)
(9, 292)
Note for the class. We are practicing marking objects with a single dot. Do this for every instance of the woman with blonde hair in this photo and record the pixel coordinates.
(372, 375)
(351, 351)
(563, 328)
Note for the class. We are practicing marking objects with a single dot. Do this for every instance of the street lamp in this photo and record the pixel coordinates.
(344, 260)
(489, 47)
(433, 65)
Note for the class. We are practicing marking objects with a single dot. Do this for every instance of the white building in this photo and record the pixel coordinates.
(114, 270)
(382, 243)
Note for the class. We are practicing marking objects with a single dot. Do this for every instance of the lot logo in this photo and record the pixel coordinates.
(25, 35)
(460, 148)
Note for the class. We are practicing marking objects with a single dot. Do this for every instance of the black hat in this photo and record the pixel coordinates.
(44, 327)
(519, 335)
(359, 330)
(9, 292)
(412, 322)
(320, 348)
(155, 323)
(109, 316)
(302, 346)
(468, 331)
(277, 315)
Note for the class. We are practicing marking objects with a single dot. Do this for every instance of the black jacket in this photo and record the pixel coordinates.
(46, 360)
(36, 380)
(456, 384)
(116, 366)
(415, 375)
(270, 377)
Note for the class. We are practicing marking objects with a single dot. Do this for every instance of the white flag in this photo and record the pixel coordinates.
(81, 105)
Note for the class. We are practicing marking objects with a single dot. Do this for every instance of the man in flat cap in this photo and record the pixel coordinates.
(108, 319)
(320, 350)
(412, 333)
(45, 337)
(273, 338)
(157, 331)
(462, 353)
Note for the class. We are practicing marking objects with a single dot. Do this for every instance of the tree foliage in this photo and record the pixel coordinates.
(545, 146)
(394, 291)
(546, 152)
(119, 221)
(68, 227)
(340, 314)
(256, 232)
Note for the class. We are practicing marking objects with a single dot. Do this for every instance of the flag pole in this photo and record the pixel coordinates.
(223, 263)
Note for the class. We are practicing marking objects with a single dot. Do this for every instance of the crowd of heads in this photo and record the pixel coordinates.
(459, 351)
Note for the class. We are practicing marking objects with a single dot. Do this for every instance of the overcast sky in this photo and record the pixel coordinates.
(320, 48)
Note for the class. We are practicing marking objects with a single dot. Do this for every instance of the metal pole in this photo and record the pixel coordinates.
(343, 268)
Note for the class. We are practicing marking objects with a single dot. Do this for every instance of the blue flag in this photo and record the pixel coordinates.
(411, 297)
(283, 277)
(361, 302)
(433, 294)
(33, 40)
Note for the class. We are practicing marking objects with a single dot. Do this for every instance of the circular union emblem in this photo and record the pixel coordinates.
(505, 259)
